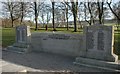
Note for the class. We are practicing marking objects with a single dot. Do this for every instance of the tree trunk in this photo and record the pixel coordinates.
(75, 27)
(36, 25)
(12, 23)
(67, 17)
(46, 28)
(12, 19)
(99, 12)
(67, 23)
(53, 3)
(74, 11)
(100, 9)
(36, 16)
(21, 20)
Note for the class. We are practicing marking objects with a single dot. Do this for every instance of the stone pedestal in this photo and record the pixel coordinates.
(93, 63)
(23, 39)
(98, 46)
(99, 42)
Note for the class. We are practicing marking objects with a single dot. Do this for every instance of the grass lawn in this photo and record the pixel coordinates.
(8, 36)
(117, 44)
(71, 30)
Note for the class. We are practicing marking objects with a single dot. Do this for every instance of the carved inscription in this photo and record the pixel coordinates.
(59, 36)
(23, 35)
(21, 32)
(90, 40)
(100, 45)
(18, 35)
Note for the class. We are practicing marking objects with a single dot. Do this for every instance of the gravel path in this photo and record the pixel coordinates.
(41, 62)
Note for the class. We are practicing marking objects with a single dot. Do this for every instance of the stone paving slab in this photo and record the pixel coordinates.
(41, 62)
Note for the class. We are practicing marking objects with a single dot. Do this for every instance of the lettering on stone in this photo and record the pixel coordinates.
(58, 36)
(23, 35)
(100, 40)
(90, 40)
(21, 32)
(18, 35)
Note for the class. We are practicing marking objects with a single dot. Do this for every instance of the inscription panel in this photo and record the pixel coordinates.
(100, 40)
(58, 36)
(90, 40)
(18, 35)
(21, 33)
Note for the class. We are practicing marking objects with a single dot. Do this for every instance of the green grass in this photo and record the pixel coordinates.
(117, 44)
(64, 30)
(8, 36)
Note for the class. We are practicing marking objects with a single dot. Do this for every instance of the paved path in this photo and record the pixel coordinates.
(40, 62)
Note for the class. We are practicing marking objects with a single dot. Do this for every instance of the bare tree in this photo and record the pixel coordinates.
(12, 8)
(65, 3)
(116, 12)
(48, 12)
(45, 13)
(94, 10)
(36, 9)
(24, 10)
(48, 18)
(86, 17)
(74, 9)
(90, 8)
(59, 13)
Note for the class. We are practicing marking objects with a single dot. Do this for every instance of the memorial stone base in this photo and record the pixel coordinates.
(22, 40)
(110, 66)
(19, 47)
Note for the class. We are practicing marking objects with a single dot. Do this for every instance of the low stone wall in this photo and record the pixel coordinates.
(66, 44)
(96, 42)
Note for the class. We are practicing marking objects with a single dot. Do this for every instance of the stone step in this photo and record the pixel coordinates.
(98, 63)
(16, 49)
(20, 45)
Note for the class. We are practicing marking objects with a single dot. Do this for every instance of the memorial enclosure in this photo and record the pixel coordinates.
(95, 43)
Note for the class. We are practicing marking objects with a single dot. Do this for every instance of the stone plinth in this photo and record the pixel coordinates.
(23, 39)
(99, 42)
(98, 48)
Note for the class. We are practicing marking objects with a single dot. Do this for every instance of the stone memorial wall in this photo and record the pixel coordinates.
(99, 42)
(93, 47)
(66, 44)
(22, 33)
(23, 39)
(96, 42)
